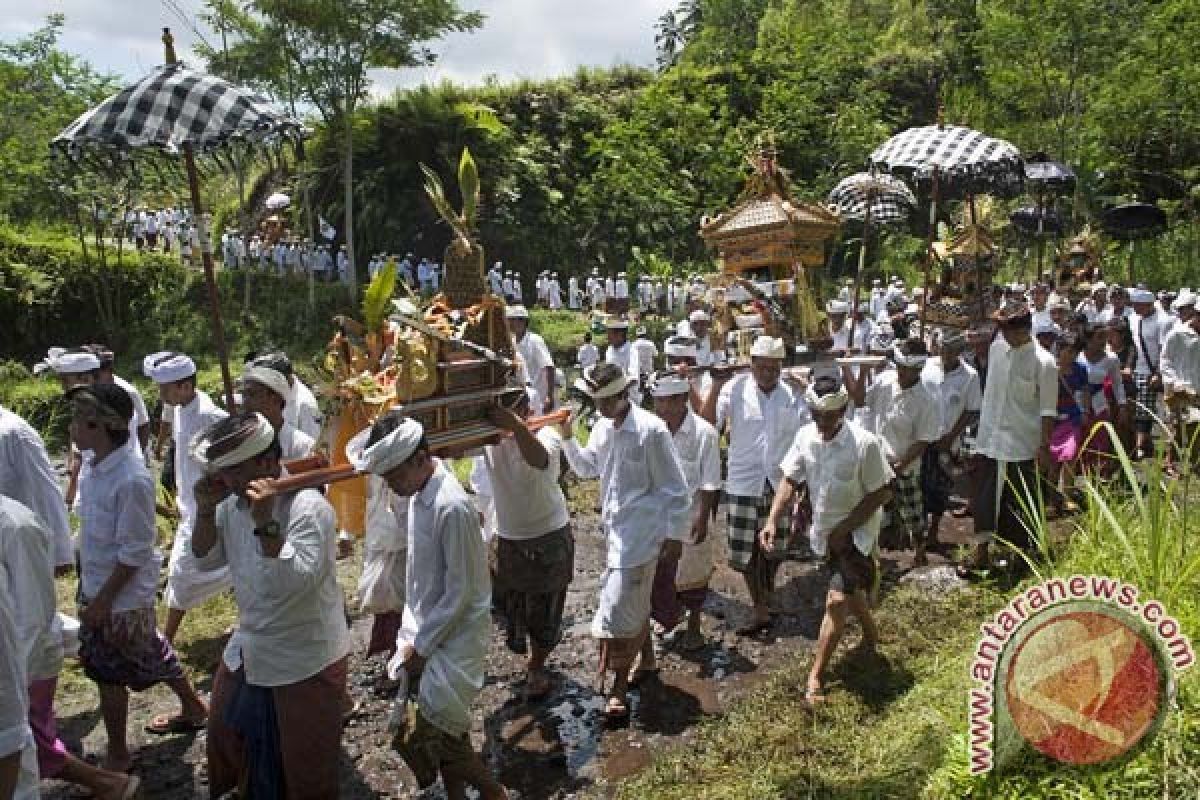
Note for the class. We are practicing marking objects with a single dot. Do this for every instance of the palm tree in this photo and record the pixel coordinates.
(668, 39)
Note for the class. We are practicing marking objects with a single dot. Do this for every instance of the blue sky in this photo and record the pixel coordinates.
(521, 38)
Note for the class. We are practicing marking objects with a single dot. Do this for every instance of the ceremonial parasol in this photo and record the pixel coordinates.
(873, 199)
(278, 200)
(1132, 222)
(175, 111)
(1049, 176)
(954, 162)
(1036, 221)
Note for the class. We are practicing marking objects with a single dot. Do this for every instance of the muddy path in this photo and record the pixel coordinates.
(559, 747)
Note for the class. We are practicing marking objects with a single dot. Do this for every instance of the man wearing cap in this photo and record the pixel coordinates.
(1047, 334)
(265, 391)
(27, 477)
(1149, 327)
(534, 550)
(847, 480)
(644, 502)
(907, 421)
(622, 353)
(277, 698)
(839, 330)
(588, 354)
(700, 323)
(647, 351)
(761, 414)
(301, 410)
(1041, 306)
(441, 649)
(535, 357)
(681, 585)
(680, 354)
(120, 647)
(1094, 303)
(574, 298)
(1118, 306)
(1181, 377)
(554, 293)
(1016, 420)
(1184, 307)
(960, 396)
(192, 413)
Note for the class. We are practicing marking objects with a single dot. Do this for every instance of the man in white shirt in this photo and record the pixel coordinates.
(442, 645)
(960, 396)
(839, 327)
(27, 477)
(588, 354)
(27, 578)
(761, 415)
(265, 391)
(574, 299)
(1180, 369)
(192, 412)
(647, 351)
(847, 479)
(535, 357)
(282, 676)
(301, 410)
(343, 264)
(1118, 306)
(120, 647)
(621, 352)
(1041, 306)
(1149, 327)
(496, 279)
(644, 502)
(506, 286)
(140, 424)
(535, 551)
(554, 293)
(1017, 417)
(682, 586)
(700, 323)
(680, 355)
(907, 420)
(75, 367)
(18, 764)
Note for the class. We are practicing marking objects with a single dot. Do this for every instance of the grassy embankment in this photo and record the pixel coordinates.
(900, 730)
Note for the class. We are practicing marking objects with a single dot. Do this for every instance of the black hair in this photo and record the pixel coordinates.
(914, 347)
(103, 353)
(277, 360)
(115, 398)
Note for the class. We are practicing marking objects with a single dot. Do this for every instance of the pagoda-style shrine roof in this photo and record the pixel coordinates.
(804, 221)
(971, 242)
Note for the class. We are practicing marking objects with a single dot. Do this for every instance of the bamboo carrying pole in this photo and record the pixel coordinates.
(929, 254)
(210, 277)
(858, 275)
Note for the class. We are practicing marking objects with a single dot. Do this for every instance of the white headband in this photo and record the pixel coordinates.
(168, 367)
(256, 443)
(61, 362)
(273, 379)
(768, 347)
(834, 401)
(903, 360)
(679, 347)
(669, 386)
(389, 452)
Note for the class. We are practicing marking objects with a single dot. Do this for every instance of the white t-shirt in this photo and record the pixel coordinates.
(528, 501)
(903, 417)
(839, 474)
(535, 357)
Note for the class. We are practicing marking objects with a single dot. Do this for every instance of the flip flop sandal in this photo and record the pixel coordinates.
(164, 726)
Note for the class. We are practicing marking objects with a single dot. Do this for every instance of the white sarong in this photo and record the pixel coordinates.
(624, 606)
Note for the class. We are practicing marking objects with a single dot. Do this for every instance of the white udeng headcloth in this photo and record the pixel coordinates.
(903, 360)
(62, 362)
(389, 452)
(258, 437)
(273, 379)
(834, 401)
(168, 367)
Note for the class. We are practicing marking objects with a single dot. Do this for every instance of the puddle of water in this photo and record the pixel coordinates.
(578, 720)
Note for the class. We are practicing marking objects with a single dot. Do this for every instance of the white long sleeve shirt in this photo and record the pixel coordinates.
(1021, 391)
(1149, 333)
(1181, 360)
(15, 736)
(294, 443)
(448, 596)
(117, 516)
(761, 428)
(198, 415)
(291, 619)
(535, 358)
(958, 391)
(699, 449)
(302, 409)
(27, 476)
(644, 497)
(27, 576)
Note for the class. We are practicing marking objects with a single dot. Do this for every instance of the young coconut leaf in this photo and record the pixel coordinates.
(378, 296)
(468, 184)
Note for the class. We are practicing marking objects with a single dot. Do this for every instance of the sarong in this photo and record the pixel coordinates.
(51, 752)
(746, 517)
(907, 506)
(624, 607)
(936, 482)
(1005, 495)
(529, 584)
(127, 650)
(307, 720)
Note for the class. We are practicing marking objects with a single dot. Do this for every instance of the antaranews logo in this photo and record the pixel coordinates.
(1081, 669)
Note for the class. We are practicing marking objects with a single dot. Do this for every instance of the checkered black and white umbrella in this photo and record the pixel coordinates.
(890, 201)
(965, 160)
(175, 107)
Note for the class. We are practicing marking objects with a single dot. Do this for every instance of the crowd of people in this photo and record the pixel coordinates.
(835, 462)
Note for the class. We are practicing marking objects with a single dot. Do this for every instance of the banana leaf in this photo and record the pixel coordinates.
(377, 298)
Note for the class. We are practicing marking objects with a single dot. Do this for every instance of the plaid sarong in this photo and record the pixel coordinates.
(907, 507)
(746, 517)
(1146, 400)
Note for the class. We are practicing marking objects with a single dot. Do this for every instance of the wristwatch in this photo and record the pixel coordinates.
(270, 530)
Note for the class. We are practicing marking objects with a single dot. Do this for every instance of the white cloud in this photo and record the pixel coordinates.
(519, 39)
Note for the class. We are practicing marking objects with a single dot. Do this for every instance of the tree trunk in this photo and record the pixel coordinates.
(348, 177)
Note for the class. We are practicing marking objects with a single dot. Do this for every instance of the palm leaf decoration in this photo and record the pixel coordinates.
(464, 255)
(378, 296)
(468, 184)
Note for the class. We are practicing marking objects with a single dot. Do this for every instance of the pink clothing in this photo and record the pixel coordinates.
(1065, 441)
(51, 752)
